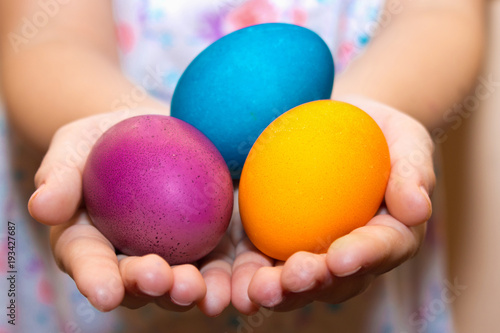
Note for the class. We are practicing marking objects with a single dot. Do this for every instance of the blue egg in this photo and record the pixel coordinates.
(239, 84)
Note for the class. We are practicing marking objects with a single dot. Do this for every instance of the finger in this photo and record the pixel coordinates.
(333, 291)
(188, 288)
(88, 257)
(412, 177)
(248, 260)
(149, 275)
(381, 245)
(216, 271)
(307, 278)
(341, 289)
(265, 287)
(59, 178)
(144, 279)
(304, 271)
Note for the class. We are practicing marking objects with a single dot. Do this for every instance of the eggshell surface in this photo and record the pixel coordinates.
(315, 174)
(234, 88)
(155, 184)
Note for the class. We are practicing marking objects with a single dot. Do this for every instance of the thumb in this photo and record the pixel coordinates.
(412, 177)
(59, 178)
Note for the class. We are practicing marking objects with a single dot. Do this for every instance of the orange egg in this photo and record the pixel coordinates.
(315, 173)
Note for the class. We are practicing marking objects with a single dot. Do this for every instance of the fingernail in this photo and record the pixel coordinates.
(180, 303)
(306, 288)
(37, 192)
(102, 297)
(273, 302)
(349, 273)
(429, 203)
(342, 248)
(151, 293)
(34, 196)
(302, 274)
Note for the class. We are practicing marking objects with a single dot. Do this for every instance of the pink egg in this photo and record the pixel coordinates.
(155, 184)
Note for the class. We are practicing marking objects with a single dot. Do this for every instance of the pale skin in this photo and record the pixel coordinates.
(394, 78)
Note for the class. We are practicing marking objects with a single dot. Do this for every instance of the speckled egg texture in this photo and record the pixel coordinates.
(316, 173)
(155, 184)
(239, 84)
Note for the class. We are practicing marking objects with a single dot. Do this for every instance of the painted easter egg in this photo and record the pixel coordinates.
(155, 184)
(234, 88)
(316, 173)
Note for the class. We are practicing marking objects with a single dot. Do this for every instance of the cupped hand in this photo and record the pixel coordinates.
(105, 278)
(352, 262)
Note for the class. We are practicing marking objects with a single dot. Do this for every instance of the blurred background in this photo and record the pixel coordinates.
(471, 180)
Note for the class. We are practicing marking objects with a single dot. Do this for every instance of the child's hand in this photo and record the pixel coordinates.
(106, 279)
(353, 261)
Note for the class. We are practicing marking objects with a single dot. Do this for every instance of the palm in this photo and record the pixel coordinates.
(106, 279)
(109, 280)
(353, 261)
